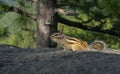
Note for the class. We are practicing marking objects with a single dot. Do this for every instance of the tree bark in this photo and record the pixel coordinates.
(46, 22)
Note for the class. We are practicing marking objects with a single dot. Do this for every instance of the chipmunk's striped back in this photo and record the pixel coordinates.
(69, 42)
(83, 45)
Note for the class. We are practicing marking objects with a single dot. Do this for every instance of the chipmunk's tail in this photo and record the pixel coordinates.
(97, 46)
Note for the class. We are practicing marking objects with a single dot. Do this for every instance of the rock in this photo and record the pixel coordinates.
(54, 61)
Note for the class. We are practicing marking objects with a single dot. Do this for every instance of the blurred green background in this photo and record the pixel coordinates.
(20, 30)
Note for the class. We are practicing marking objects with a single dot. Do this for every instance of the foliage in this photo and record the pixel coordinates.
(110, 7)
(19, 30)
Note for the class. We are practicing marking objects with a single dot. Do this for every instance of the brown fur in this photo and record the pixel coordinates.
(69, 42)
(75, 44)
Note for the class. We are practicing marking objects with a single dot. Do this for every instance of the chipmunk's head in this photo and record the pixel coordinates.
(57, 37)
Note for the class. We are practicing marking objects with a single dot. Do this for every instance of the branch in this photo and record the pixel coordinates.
(34, 0)
(64, 12)
(67, 22)
(89, 20)
(67, 4)
(25, 29)
(84, 27)
(33, 16)
(20, 11)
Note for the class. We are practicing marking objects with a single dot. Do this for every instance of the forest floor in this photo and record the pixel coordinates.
(15, 60)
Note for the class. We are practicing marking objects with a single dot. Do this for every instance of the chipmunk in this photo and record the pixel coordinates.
(75, 44)
(97, 46)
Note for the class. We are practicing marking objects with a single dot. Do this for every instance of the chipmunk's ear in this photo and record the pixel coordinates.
(61, 34)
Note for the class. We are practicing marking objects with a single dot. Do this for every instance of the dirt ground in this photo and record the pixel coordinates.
(15, 60)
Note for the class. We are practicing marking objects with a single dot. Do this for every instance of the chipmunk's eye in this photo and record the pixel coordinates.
(56, 35)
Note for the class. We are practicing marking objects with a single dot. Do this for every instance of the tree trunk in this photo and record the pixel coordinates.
(46, 22)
